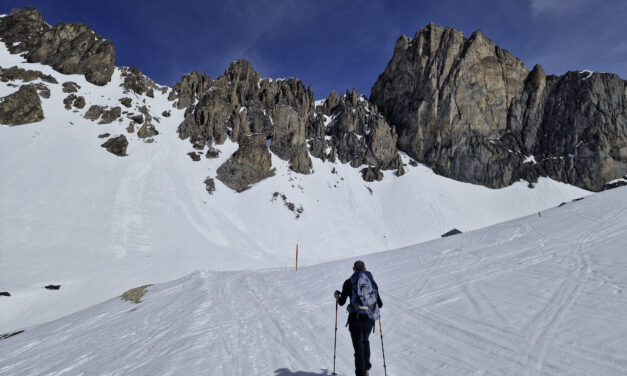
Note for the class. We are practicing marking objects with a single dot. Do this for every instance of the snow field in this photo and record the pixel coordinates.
(534, 296)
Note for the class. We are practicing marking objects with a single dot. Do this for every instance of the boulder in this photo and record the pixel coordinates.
(147, 130)
(21, 107)
(126, 102)
(70, 87)
(371, 174)
(109, 115)
(74, 100)
(210, 185)
(94, 112)
(116, 145)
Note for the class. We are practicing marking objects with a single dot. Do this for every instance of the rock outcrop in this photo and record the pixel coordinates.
(116, 145)
(135, 81)
(21, 107)
(105, 114)
(475, 113)
(15, 73)
(186, 91)
(242, 106)
(70, 48)
(239, 104)
(250, 164)
(350, 129)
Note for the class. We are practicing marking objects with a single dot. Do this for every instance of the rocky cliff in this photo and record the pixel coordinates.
(278, 116)
(464, 106)
(475, 113)
(67, 47)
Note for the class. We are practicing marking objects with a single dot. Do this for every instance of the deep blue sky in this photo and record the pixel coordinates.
(338, 44)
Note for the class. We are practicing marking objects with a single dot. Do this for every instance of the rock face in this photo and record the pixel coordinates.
(186, 91)
(475, 113)
(21, 107)
(576, 124)
(279, 116)
(355, 133)
(239, 104)
(67, 47)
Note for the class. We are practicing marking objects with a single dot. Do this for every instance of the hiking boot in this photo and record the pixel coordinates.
(367, 372)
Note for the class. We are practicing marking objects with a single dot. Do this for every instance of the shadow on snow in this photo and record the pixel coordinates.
(287, 372)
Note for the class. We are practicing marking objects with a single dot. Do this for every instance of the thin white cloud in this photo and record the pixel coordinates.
(539, 7)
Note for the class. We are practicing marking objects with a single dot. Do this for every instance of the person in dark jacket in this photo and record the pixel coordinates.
(359, 324)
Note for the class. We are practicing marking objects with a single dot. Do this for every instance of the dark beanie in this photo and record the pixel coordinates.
(359, 265)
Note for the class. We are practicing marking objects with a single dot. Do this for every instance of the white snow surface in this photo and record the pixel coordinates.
(73, 214)
(534, 296)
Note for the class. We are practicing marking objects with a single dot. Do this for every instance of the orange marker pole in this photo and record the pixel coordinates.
(296, 256)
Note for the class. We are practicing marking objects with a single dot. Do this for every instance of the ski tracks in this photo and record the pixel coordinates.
(548, 322)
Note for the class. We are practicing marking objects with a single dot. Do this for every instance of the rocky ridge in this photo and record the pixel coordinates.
(474, 112)
(280, 116)
(467, 108)
(67, 47)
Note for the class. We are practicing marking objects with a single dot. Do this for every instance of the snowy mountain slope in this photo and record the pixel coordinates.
(73, 214)
(534, 296)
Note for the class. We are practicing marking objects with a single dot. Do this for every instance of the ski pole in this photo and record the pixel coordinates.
(335, 340)
(382, 350)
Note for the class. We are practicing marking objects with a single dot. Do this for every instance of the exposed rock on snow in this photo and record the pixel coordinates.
(135, 295)
(15, 73)
(371, 174)
(126, 102)
(106, 114)
(74, 100)
(136, 82)
(210, 185)
(116, 145)
(67, 47)
(248, 165)
(21, 107)
(70, 87)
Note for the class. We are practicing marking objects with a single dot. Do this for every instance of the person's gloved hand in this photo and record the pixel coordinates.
(336, 294)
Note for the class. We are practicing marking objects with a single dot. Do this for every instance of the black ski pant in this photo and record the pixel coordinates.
(360, 329)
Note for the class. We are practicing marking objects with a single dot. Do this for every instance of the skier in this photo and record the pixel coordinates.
(362, 312)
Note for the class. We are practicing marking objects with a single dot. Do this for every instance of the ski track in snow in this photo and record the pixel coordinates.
(533, 296)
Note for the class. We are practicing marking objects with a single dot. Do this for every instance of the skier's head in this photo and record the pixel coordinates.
(359, 265)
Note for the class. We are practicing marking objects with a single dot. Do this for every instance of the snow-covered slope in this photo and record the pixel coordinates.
(73, 214)
(534, 296)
